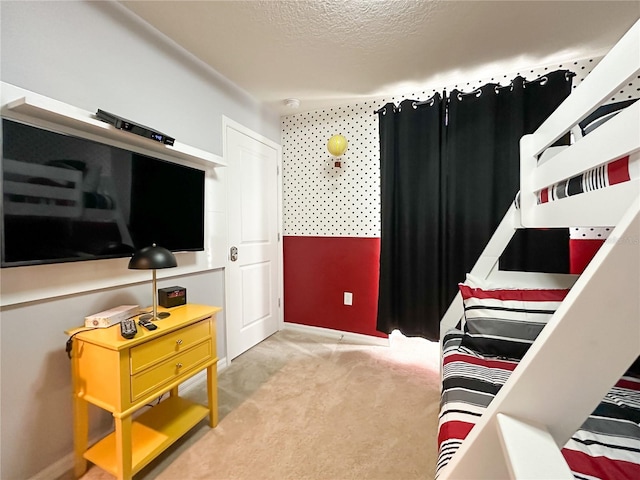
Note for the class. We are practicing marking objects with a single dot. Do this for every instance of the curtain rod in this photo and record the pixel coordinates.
(542, 79)
(415, 104)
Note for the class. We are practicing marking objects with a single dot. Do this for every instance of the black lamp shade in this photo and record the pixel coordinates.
(151, 258)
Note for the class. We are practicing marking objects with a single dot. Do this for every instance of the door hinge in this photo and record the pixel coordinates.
(278, 302)
(277, 169)
(278, 236)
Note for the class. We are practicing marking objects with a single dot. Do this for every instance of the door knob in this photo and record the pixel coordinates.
(234, 254)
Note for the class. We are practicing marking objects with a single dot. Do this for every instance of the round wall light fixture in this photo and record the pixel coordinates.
(337, 145)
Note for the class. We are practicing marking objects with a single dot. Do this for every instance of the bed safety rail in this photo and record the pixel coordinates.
(621, 63)
(616, 138)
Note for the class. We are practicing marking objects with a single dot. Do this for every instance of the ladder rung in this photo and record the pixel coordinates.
(530, 451)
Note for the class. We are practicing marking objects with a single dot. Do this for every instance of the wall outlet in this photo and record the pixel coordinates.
(348, 298)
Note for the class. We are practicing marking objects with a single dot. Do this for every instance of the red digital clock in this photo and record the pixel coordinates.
(172, 296)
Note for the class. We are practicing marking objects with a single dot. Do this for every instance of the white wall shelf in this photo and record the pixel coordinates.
(58, 113)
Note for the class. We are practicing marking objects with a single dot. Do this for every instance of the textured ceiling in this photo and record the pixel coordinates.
(330, 52)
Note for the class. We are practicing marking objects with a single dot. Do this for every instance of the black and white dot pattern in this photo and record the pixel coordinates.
(589, 233)
(320, 199)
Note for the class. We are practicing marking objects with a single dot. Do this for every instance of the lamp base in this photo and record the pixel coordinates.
(149, 316)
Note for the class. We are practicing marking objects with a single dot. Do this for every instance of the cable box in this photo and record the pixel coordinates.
(133, 127)
(111, 316)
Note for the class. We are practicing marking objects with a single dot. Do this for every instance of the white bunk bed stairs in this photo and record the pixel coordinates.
(594, 335)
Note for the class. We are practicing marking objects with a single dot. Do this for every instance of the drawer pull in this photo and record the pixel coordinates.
(178, 365)
(179, 342)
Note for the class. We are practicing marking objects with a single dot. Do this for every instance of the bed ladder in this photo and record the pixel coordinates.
(486, 268)
(530, 451)
(537, 410)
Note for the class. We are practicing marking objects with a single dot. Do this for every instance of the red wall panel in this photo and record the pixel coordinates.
(581, 252)
(317, 272)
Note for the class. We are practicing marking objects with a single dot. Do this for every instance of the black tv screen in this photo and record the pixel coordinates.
(67, 199)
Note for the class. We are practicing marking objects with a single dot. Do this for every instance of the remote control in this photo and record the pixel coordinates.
(146, 323)
(128, 328)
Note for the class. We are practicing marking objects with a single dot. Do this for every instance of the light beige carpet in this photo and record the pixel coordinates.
(300, 406)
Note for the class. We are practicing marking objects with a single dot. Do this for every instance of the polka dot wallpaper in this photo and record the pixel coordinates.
(589, 233)
(322, 199)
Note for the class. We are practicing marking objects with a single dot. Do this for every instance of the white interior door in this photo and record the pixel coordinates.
(253, 275)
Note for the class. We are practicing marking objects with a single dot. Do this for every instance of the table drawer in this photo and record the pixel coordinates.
(169, 370)
(161, 348)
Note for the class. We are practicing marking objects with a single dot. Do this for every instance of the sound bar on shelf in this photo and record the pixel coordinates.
(129, 126)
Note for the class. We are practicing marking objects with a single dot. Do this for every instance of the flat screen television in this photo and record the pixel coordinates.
(67, 199)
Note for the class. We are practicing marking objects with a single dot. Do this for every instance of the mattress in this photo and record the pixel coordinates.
(607, 445)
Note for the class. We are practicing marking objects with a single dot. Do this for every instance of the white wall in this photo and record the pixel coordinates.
(98, 55)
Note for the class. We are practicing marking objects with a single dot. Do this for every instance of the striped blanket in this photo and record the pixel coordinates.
(607, 445)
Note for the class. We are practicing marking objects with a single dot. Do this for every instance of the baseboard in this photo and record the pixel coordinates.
(66, 463)
(338, 334)
(57, 469)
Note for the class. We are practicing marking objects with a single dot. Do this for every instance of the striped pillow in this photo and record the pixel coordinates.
(505, 322)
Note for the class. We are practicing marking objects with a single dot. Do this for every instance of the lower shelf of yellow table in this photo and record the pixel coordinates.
(152, 432)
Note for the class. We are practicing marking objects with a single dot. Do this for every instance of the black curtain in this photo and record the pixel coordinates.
(482, 171)
(540, 250)
(448, 176)
(410, 277)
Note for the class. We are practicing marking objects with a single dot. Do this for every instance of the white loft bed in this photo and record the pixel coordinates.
(594, 335)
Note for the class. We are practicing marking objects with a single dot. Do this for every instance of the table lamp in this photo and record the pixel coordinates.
(152, 258)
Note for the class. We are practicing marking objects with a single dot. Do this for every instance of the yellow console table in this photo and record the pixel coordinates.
(122, 376)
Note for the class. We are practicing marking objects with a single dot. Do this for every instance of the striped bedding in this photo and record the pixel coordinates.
(621, 170)
(506, 321)
(607, 445)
